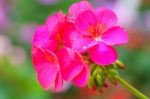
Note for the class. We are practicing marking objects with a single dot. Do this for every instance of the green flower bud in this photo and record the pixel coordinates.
(113, 72)
(92, 68)
(112, 79)
(91, 82)
(120, 64)
(99, 80)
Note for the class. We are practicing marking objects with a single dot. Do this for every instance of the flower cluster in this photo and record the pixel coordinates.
(65, 46)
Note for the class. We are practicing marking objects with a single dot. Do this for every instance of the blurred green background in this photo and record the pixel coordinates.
(18, 20)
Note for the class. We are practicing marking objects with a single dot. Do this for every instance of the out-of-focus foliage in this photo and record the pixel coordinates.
(33, 10)
(18, 20)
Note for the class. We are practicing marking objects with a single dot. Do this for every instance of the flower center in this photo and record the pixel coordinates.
(92, 30)
(96, 31)
(100, 28)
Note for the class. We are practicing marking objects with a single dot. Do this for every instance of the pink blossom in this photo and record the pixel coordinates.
(97, 34)
(58, 45)
(54, 62)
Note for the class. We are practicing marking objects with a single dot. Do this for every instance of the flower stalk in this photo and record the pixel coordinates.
(131, 88)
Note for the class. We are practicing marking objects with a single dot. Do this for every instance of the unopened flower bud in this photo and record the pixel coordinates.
(120, 64)
(91, 82)
(92, 68)
(113, 72)
(112, 79)
(100, 80)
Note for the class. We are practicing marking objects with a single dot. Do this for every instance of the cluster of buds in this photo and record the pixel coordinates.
(99, 74)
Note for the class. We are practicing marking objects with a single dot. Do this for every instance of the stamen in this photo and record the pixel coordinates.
(100, 28)
(92, 30)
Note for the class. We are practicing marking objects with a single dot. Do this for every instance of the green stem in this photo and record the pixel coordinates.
(131, 88)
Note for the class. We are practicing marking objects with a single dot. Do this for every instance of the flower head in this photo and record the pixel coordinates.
(60, 44)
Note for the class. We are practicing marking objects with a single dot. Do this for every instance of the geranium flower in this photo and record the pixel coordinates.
(60, 44)
(53, 61)
(97, 34)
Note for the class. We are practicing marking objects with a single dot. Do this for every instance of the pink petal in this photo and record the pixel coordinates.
(82, 79)
(106, 17)
(67, 30)
(85, 21)
(58, 82)
(43, 59)
(77, 8)
(115, 36)
(81, 43)
(73, 39)
(47, 76)
(103, 54)
(70, 62)
(46, 66)
(42, 39)
(52, 23)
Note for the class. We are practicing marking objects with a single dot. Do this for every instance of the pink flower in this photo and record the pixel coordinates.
(58, 45)
(54, 62)
(97, 34)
